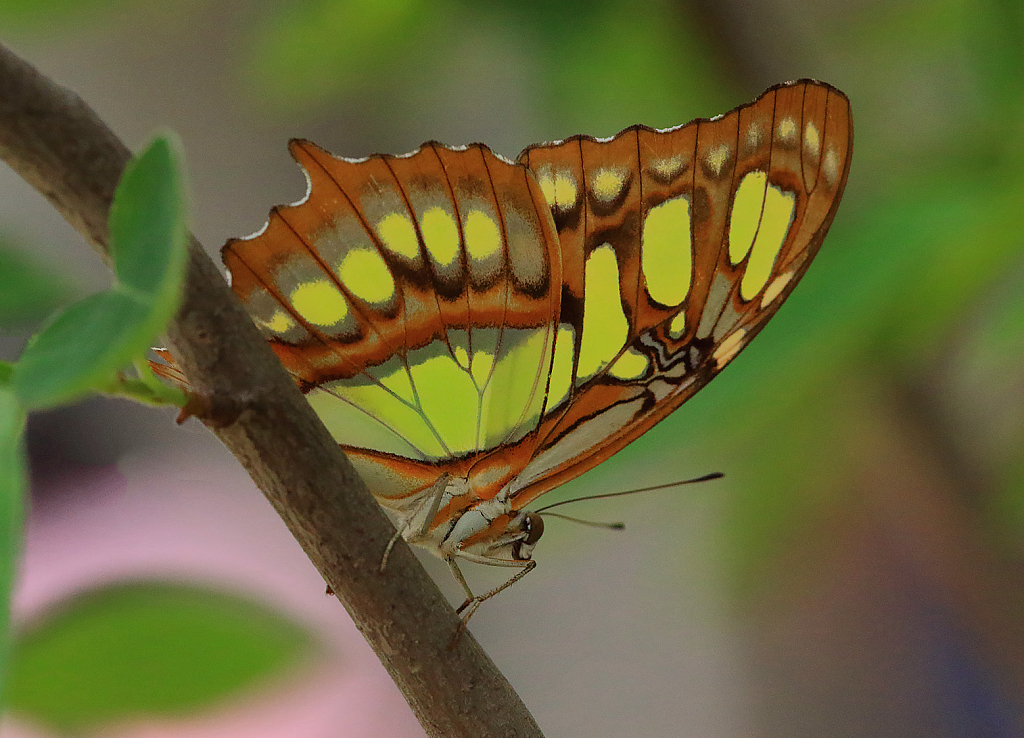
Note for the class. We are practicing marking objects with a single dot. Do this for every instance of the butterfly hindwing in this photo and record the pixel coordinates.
(415, 298)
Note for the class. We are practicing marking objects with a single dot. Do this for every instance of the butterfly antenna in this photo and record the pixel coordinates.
(705, 478)
(588, 523)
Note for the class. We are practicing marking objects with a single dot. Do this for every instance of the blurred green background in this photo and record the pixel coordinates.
(859, 571)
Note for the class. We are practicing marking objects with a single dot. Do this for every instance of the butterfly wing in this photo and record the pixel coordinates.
(451, 311)
(677, 247)
(415, 299)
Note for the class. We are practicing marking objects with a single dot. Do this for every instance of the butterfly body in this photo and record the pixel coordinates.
(476, 331)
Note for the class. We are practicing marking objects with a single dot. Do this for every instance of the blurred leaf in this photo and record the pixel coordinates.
(28, 292)
(152, 650)
(87, 343)
(310, 51)
(960, 264)
(13, 486)
(32, 14)
(934, 84)
(621, 63)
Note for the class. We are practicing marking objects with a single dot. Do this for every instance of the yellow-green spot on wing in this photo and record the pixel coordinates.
(458, 340)
(631, 365)
(514, 396)
(677, 326)
(669, 167)
(558, 187)
(787, 130)
(779, 207)
(607, 183)
(396, 380)
(604, 324)
(482, 363)
(830, 165)
(755, 132)
(483, 239)
(267, 312)
(666, 256)
(812, 141)
(364, 416)
(447, 395)
(365, 274)
(440, 234)
(747, 206)
(560, 379)
(320, 303)
(717, 157)
(397, 233)
(564, 189)
(280, 322)
(547, 187)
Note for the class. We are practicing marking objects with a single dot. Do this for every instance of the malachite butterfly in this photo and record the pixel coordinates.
(476, 331)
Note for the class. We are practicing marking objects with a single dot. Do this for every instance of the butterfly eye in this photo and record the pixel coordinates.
(534, 526)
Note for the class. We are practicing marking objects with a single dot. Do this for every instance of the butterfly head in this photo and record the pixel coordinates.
(510, 535)
(516, 542)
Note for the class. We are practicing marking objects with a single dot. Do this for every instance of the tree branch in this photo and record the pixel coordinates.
(58, 144)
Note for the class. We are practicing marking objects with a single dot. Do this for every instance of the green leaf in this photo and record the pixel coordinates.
(27, 291)
(86, 344)
(148, 233)
(12, 489)
(158, 650)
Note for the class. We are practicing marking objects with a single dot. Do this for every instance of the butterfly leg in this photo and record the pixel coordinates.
(391, 545)
(472, 603)
(467, 608)
(434, 495)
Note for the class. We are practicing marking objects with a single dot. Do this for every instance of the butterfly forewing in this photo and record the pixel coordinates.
(714, 224)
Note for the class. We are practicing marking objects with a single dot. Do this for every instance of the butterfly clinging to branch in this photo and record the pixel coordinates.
(476, 331)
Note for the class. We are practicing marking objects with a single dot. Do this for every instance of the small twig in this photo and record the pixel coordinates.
(58, 144)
